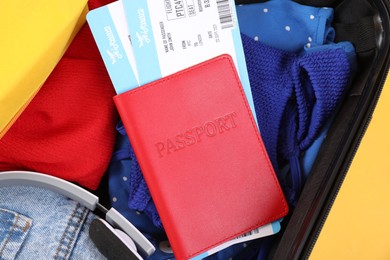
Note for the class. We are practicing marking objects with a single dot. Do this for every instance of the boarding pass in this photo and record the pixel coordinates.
(172, 35)
(109, 29)
(263, 231)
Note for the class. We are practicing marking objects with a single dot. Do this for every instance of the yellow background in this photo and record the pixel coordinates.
(34, 35)
(358, 226)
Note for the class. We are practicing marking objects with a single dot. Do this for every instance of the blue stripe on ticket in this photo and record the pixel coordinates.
(111, 48)
(141, 32)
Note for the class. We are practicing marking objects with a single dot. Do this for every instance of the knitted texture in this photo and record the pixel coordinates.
(140, 198)
(139, 195)
(68, 129)
(271, 81)
(294, 96)
(289, 26)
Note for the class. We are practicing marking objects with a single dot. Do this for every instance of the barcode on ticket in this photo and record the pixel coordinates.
(250, 233)
(225, 14)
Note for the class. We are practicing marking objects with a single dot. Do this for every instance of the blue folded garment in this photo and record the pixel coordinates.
(294, 96)
(286, 25)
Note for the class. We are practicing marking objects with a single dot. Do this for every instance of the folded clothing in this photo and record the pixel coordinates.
(289, 26)
(299, 30)
(294, 96)
(68, 129)
(127, 187)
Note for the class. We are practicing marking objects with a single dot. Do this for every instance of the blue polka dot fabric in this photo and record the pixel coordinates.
(125, 183)
(286, 25)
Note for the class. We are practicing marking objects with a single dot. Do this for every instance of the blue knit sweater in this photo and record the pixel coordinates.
(294, 96)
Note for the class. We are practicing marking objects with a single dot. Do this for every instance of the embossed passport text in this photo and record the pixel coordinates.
(202, 156)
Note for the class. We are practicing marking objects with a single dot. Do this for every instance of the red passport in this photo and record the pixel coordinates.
(202, 156)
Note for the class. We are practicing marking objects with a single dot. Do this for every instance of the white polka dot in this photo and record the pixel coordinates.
(256, 38)
(265, 10)
(287, 28)
(114, 199)
(312, 17)
(308, 45)
(125, 178)
(310, 39)
(244, 245)
(138, 213)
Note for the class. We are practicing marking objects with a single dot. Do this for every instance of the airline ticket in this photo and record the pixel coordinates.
(171, 35)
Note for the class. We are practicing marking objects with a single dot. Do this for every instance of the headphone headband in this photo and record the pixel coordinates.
(76, 193)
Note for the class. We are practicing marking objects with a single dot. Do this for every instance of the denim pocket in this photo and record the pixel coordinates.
(13, 231)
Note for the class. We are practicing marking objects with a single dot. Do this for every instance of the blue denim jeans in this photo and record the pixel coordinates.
(37, 223)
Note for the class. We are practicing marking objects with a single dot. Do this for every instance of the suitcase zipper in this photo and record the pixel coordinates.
(341, 177)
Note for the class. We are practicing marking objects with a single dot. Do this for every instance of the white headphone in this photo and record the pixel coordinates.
(121, 227)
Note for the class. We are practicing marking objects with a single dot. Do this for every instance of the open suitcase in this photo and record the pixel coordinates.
(365, 23)
(345, 134)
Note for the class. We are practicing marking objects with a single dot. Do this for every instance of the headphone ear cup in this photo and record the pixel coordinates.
(125, 239)
(112, 243)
